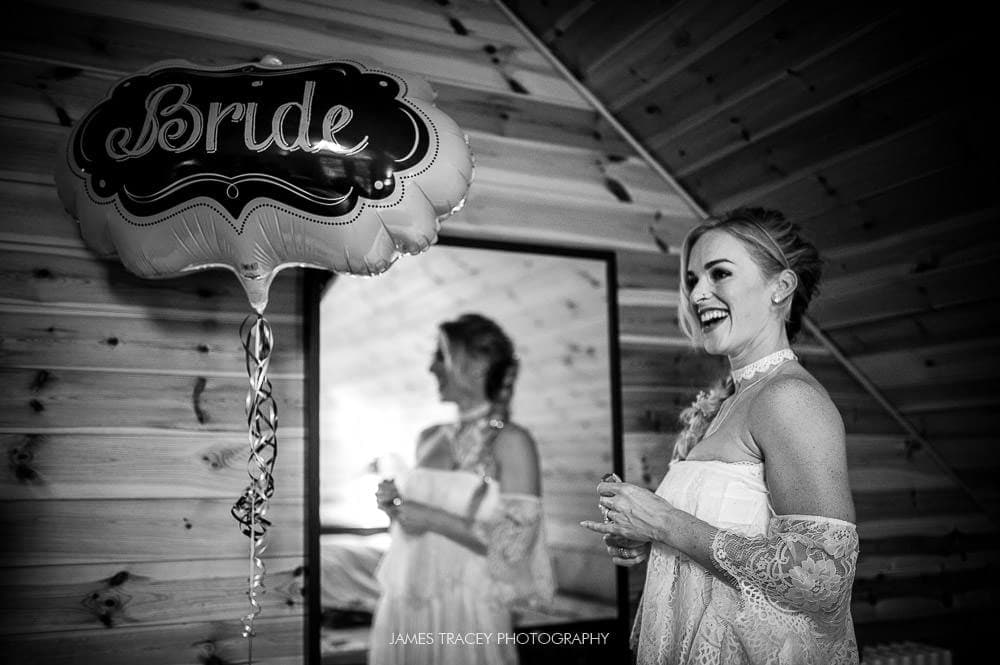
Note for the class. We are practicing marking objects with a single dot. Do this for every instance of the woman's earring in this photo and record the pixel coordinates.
(776, 299)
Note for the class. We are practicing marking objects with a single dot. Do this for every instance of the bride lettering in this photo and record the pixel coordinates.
(173, 124)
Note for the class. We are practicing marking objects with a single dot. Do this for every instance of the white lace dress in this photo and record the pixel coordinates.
(442, 603)
(792, 576)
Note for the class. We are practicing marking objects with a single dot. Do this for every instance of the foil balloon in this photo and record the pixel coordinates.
(258, 167)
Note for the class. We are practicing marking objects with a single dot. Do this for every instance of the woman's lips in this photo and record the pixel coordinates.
(711, 317)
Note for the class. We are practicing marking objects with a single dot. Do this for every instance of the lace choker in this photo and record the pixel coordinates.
(763, 365)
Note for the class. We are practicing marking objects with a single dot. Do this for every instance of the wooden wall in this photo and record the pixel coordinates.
(122, 417)
(123, 420)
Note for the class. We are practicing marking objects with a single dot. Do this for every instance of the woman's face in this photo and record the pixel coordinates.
(729, 295)
(462, 379)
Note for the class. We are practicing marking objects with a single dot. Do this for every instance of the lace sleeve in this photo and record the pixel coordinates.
(805, 563)
(517, 552)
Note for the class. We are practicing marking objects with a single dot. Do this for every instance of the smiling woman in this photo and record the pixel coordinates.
(756, 494)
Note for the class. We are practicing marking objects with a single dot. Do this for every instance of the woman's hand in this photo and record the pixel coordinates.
(634, 513)
(388, 497)
(626, 552)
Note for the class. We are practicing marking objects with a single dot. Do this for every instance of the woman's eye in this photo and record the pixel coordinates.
(720, 273)
(690, 283)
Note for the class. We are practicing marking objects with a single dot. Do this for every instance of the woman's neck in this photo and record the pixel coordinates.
(761, 347)
(472, 408)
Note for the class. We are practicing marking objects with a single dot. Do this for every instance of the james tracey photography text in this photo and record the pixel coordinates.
(480, 639)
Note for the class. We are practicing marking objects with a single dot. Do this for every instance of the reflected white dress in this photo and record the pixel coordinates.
(793, 576)
(442, 603)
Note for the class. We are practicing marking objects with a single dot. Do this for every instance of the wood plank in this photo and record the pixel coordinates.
(873, 566)
(868, 116)
(951, 195)
(913, 610)
(891, 463)
(971, 452)
(938, 364)
(875, 506)
(697, 30)
(566, 171)
(47, 398)
(500, 212)
(651, 321)
(32, 213)
(644, 410)
(932, 525)
(647, 455)
(643, 270)
(142, 465)
(931, 289)
(118, 595)
(504, 202)
(74, 277)
(209, 347)
(100, 531)
(792, 91)
(914, 152)
(777, 63)
(942, 587)
(279, 641)
(43, 89)
(404, 23)
(244, 28)
(34, 148)
(602, 33)
(956, 395)
(948, 424)
(528, 118)
(927, 328)
(963, 240)
(946, 255)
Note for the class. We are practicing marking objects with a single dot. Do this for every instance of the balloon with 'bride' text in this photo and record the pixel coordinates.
(258, 167)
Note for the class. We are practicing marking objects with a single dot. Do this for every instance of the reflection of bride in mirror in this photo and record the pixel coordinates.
(467, 540)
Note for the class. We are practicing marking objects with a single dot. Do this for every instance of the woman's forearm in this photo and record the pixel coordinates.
(454, 528)
(691, 536)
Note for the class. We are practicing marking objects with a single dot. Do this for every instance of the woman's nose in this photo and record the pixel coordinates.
(699, 291)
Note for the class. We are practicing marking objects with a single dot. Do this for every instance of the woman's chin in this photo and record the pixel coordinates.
(712, 344)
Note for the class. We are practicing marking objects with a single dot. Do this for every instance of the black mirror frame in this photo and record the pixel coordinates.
(316, 282)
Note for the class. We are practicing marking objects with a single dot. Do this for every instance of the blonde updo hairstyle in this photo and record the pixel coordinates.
(775, 245)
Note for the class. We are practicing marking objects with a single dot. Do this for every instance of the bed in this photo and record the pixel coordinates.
(349, 593)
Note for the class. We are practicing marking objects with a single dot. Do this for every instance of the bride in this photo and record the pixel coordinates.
(467, 537)
(750, 538)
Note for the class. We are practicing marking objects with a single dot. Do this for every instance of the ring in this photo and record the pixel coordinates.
(621, 553)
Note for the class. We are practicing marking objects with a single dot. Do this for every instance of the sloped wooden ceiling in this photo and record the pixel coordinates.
(867, 123)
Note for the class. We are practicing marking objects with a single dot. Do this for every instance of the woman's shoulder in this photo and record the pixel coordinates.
(517, 457)
(514, 437)
(792, 398)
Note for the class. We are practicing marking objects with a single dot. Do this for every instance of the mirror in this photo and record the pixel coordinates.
(371, 393)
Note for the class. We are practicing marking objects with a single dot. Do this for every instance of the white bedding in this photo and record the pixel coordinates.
(347, 570)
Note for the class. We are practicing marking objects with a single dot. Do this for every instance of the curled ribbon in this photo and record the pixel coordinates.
(250, 509)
